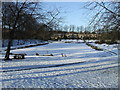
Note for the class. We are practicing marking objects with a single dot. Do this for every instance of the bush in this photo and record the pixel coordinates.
(106, 42)
(100, 42)
(68, 42)
(111, 42)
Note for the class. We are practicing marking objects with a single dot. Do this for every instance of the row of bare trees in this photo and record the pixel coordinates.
(77, 29)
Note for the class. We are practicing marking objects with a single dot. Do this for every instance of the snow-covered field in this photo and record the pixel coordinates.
(82, 67)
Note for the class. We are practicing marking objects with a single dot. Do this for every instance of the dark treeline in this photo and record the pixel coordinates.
(40, 34)
(46, 33)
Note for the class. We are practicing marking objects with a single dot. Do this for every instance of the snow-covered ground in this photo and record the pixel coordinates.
(111, 48)
(20, 43)
(83, 67)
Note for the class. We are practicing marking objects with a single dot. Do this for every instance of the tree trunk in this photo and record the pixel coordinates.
(11, 34)
(7, 56)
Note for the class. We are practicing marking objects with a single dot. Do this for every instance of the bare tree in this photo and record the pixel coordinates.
(66, 27)
(52, 20)
(13, 12)
(107, 17)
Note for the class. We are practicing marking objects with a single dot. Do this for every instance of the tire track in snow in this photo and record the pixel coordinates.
(58, 65)
(66, 73)
(43, 67)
